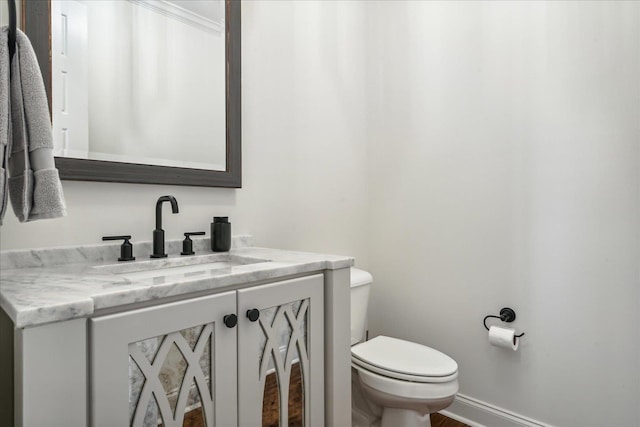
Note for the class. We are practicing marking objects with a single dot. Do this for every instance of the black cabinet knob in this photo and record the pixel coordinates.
(253, 314)
(230, 320)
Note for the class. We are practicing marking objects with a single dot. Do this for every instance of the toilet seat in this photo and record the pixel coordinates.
(399, 376)
(404, 360)
(406, 390)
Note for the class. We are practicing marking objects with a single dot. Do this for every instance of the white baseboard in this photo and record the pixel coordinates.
(477, 413)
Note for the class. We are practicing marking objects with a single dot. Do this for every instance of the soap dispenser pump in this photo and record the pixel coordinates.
(220, 234)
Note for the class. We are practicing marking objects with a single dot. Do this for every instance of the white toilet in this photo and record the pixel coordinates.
(395, 383)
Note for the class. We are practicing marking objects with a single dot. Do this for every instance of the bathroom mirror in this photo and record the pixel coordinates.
(157, 101)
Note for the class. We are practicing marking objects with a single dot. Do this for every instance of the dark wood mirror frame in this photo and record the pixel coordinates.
(36, 22)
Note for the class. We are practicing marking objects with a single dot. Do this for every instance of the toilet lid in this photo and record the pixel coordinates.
(404, 357)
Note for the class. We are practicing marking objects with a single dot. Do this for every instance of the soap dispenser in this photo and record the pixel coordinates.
(220, 234)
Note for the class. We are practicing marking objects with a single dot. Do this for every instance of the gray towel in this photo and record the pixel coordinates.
(34, 184)
(4, 123)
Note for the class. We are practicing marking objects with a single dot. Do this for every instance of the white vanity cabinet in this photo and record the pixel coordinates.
(161, 362)
(262, 339)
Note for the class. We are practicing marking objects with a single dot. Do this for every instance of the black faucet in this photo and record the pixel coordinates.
(158, 233)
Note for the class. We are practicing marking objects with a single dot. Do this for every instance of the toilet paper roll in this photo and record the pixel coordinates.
(503, 337)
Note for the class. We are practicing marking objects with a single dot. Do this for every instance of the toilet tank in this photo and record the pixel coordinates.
(360, 286)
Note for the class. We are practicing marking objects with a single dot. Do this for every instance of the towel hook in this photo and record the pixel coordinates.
(12, 28)
(506, 315)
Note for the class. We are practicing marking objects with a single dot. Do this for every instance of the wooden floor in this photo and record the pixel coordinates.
(438, 420)
(271, 405)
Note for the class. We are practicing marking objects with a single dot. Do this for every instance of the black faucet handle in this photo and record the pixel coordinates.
(116, 237)
(126, 249)
(187, 243)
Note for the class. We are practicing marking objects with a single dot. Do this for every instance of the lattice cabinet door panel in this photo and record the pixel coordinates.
(281, 354)
(164, 364)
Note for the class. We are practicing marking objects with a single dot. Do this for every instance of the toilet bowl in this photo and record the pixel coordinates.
(396, 383)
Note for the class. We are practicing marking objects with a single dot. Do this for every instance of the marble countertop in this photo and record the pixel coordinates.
(51, 285)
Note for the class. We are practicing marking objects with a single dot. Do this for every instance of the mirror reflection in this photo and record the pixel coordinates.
(140, 81)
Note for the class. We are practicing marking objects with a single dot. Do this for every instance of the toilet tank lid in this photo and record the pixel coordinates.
(360, 277)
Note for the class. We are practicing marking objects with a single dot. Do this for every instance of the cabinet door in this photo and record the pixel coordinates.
(165, 363)
(281, 354)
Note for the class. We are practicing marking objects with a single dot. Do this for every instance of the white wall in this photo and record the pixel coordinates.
(510, 137)
(471, 155)
(303, 142)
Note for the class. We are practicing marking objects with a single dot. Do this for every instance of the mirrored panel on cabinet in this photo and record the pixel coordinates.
(283, 370)
(171, 365)
(170, 379)
(281, 354)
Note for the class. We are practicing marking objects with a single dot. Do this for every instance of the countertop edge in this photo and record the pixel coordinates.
(81, 296)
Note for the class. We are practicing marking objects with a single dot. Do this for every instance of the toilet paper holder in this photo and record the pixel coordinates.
(506, 315)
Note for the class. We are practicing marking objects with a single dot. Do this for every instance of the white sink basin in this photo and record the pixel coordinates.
(185, 266)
